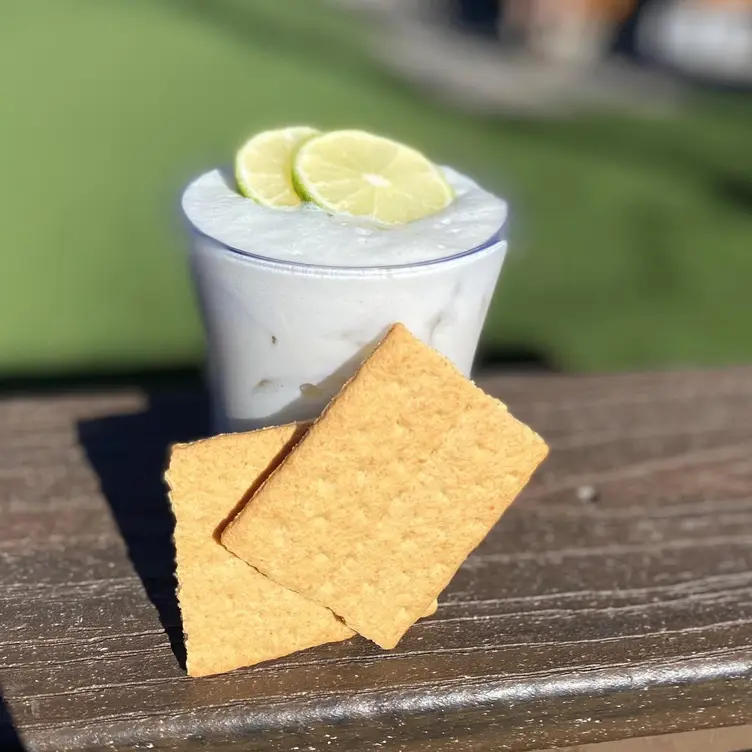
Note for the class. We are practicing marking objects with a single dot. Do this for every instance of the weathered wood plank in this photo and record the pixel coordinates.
(622, 611)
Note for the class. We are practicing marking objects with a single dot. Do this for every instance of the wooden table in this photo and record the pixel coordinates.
(613, 600)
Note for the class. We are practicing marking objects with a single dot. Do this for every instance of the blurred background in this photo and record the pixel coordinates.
(619, 130)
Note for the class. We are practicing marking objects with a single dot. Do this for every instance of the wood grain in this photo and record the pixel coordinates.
(577, 620)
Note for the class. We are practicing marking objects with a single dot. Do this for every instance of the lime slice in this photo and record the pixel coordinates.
(263, 166)
(357, 173)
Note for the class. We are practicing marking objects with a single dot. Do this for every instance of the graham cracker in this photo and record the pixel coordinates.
(233, 616)
(403, 475)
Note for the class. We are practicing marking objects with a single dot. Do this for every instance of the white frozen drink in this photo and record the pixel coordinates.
(293, 300)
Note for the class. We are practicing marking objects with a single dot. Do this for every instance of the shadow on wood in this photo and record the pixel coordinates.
(513, 359)
(128, 453)
(9, 739)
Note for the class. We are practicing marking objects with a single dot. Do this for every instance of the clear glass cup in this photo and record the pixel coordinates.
(283, 337)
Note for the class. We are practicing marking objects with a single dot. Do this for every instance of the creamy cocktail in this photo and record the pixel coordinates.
(293, 298)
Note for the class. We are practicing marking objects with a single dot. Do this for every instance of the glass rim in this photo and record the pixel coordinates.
(496, 238)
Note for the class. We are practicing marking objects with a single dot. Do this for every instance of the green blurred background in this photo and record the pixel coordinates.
(632, 238)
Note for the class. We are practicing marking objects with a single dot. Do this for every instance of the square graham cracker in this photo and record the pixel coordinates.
(232, 614)
(403, 475)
